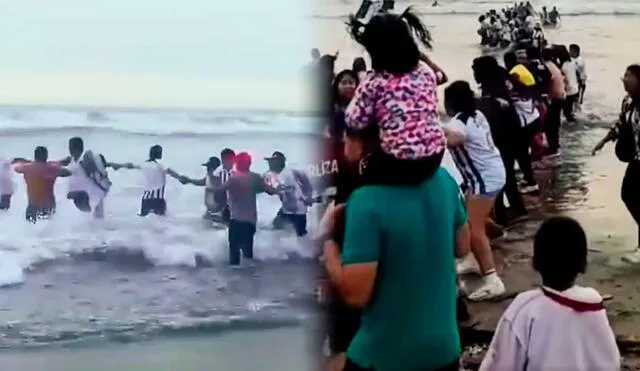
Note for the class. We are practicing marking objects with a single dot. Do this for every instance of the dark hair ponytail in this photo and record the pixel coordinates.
(417, 28)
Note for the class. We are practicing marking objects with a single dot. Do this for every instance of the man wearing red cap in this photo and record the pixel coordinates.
(242, 188)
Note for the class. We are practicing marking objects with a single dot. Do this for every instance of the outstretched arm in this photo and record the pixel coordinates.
(440, 74)
(176, 176)
(65, 161)
(126, 165)
(196, 182)
(64, 172)
(612, 135)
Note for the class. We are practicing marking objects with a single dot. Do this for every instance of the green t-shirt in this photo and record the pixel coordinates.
(410, 323)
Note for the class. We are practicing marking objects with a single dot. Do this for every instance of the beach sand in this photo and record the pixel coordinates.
(264, 350)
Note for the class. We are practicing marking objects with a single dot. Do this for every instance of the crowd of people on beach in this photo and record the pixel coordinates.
(512, 26)
(230, 187)
(415, 195)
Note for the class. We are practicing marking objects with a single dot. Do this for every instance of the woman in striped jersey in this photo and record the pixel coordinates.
(478, 159)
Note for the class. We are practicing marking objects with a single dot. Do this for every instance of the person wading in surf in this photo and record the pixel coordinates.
(40, 177)
(212, 199)
(155, 178)
(89, 182)
(243, 188)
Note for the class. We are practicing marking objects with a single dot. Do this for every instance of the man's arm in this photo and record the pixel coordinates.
(126, 165)
(63, 172)
(196, 182)
(65, 161)
(354, 273)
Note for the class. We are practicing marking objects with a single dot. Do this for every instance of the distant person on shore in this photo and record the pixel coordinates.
(559, 326)
(625, 133)
(315, 55)
(574, 50)
(571, 82)
(40, 177)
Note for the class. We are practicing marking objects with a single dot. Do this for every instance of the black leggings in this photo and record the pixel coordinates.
(352, 366)
(569, 105)
(552, 125)
(514, 196)
(523, 155)
(630, 194)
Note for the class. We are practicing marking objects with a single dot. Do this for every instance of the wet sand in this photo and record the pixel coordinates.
(268, 350)
(587, 188)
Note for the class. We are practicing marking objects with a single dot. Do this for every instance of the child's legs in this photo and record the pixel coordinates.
(478, 210)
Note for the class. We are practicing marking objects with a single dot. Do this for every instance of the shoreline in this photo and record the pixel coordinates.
(268, 350)
(605, 272)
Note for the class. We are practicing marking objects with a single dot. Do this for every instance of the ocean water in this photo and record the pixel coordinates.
(113, 73)
(131, 277)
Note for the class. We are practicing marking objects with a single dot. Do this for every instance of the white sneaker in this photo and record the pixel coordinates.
(491, 287)
(467, 265)
(632, 258)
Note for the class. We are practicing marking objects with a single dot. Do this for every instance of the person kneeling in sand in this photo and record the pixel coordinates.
(559, 326)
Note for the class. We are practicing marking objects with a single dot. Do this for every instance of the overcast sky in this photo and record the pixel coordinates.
(158, 53)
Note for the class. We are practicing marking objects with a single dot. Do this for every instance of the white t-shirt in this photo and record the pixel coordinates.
(570, 73)
(450, 166)
(478, 159)
(154, 177)
(78, 181)
(6, 177)
(581, 68)
(291, 195)
(527, 111)
(542, 331)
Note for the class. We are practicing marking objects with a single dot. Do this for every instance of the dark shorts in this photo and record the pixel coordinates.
(5, 202)
(240, 240)
(299, 222)
(80, 199)
(33, 214)
(156, 206)
(352, 366)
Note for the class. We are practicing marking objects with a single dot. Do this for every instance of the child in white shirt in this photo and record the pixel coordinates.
(559, 326)
(574, 51)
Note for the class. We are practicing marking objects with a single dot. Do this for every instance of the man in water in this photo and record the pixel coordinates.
(243, 188)
(212, 199)
(87, 190)
(228, 157)
(554, 16)
(155, 177)
(295, 192)
(6, 183)
(40, 177)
